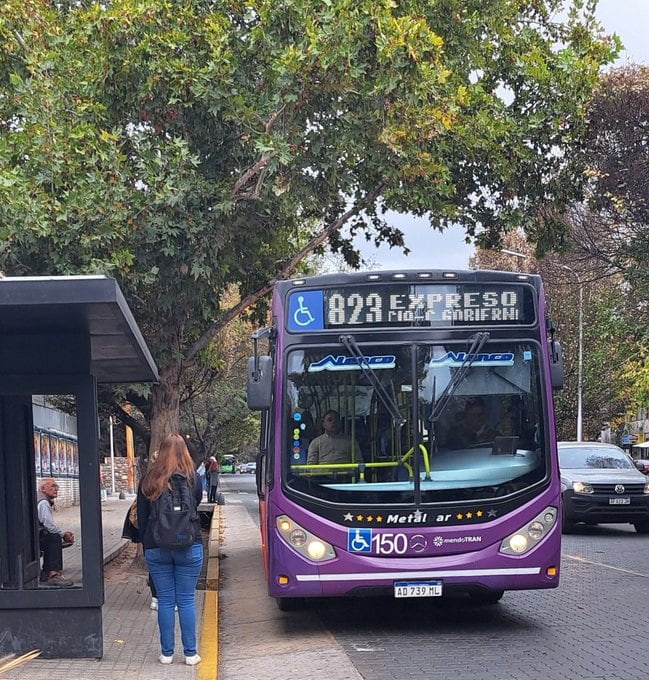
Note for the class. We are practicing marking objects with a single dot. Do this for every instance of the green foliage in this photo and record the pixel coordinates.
(220, 421)
(610, 235)
(610, 356)
(185, 146)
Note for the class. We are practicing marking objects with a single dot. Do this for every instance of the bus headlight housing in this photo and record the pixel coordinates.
(523, 540)
(303, 541)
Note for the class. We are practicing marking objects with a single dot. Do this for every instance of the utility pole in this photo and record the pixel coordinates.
(580, 360)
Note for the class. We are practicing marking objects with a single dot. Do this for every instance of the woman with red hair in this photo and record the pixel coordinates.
(174, 572)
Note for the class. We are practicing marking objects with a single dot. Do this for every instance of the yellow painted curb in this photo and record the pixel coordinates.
(209, 648)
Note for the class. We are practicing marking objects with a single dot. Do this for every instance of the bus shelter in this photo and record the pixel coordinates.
(59, 338)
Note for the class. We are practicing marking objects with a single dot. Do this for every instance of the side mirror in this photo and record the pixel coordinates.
(556, 365)
(260, 382)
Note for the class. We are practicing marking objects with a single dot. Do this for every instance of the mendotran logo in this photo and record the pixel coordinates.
(458, 358)
(345, 363)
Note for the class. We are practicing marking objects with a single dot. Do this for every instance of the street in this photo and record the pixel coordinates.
(594, 626)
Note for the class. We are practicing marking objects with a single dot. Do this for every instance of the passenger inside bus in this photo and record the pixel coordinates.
(472, 427)
(333, 445)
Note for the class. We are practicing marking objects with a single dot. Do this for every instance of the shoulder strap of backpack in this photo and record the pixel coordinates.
(183, 492)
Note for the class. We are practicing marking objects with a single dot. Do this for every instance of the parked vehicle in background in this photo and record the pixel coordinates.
(249, 468)
(227, 463)
(601, 484)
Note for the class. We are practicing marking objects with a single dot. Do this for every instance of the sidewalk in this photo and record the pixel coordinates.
(257, 641)
(131, 642)
(241, 630)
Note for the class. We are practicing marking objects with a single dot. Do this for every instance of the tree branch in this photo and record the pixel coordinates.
(126, 418)
(286, 270)
(259, 167)
(21, 41)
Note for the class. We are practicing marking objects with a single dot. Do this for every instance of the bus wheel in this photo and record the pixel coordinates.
(288, 604)
(642, 527)
(486, 596)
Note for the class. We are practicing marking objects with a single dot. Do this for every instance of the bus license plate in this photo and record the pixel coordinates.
(418, 589)
(619, 501)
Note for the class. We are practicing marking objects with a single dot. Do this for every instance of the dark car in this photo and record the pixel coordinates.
(601, 484)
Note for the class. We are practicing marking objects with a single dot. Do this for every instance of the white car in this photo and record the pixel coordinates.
(600, 483)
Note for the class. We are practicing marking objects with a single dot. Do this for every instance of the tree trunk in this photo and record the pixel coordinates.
(165, 402)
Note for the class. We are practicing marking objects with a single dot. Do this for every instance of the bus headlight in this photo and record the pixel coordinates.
(317, 550)
(303, 541)
(528, 536)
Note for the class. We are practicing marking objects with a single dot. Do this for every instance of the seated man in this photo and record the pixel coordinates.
(333, 446)
(51, 537)
(473, 427)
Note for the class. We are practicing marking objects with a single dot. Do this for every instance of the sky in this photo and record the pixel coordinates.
(629, 19)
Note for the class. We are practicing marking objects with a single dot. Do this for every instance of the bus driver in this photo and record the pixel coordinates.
(333, 446)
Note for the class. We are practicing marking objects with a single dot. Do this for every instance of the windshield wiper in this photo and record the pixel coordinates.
(478, 342)
(386, 398)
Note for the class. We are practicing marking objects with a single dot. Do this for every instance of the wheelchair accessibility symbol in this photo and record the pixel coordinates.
(359, 540)
(302, 316)
(305, 311)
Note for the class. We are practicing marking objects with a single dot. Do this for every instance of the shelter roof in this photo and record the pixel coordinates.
(38, 308)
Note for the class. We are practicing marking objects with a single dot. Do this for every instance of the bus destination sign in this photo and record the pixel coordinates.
(410, 305)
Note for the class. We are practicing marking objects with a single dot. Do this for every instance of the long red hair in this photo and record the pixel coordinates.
(173, 456)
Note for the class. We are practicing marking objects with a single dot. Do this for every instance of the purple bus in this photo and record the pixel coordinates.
(407, 436)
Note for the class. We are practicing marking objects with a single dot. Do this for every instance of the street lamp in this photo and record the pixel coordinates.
(512, 252)
(580, 360)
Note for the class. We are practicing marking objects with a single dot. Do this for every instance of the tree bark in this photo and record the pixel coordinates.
(165, 400)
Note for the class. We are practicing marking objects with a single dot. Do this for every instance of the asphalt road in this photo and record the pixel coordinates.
(595, 626)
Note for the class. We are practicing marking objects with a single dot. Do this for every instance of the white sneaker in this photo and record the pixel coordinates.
(165, 659)
(192, 660)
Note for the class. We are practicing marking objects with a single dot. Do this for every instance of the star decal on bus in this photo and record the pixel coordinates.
(349, 517)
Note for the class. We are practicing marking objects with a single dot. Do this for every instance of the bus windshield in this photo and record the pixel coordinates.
(395, 425)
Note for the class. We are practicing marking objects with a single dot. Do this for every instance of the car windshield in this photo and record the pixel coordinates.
(593, 457)
(384, 437)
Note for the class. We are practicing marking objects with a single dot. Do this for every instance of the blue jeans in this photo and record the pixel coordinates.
(175, 573)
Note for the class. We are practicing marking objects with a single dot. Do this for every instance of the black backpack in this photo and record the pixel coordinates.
(173, 515)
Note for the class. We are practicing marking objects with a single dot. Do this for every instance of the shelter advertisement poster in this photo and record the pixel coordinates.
(46, 469)
(55, 455)
(37, 452)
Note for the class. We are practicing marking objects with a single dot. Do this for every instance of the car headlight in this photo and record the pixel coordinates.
(530, 534)
(582, 487)
(646, 488)
(303, 541)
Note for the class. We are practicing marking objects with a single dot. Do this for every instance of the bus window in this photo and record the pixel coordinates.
(469, 471)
